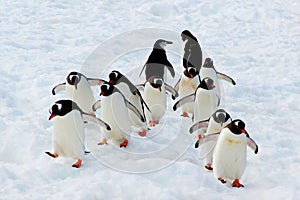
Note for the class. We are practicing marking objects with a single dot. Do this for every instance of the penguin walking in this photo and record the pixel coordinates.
(186, 85)
(208, 70)
(78, 88)
(133, 95)
(230, 153)
(155, 97)
(69, 132)
(192, 56)
(114, 111)
(204, 98)
(158, 61)
(215, 124)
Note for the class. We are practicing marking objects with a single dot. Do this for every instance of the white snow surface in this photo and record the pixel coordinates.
(255, 42)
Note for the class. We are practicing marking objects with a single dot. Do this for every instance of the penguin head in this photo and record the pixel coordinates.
(156, 83)
(221, 116)
(62, 107)
(191, 72)
(74, 78)
(161, 44)
(208, 63)
(106, 89)
(237, 127)
(207, 84)
(187, 35)
(114, 77)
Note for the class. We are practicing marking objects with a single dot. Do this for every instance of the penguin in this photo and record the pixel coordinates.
(192, 56)
(133, 95)
(230, 153)
(186, 85)
(157, 61)
(215, 124)
(208, 70)
(155, 97)
(114, 111)
(69, 132)
(204, 98)
(78, 88)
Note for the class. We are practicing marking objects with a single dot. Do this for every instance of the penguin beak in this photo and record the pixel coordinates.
(169, 42)
(159, 88)
(212, 86)
(244, 131)
(51, 116)
(111, 82)
(75, 85)
(102, 93)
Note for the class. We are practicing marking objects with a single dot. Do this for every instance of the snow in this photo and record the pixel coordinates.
(255, 42)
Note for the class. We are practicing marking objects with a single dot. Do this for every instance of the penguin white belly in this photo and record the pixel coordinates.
(136, 101)
(68, 135)
(187, 86)
(211, 73)
(229, 157)
(156, 101)
(114, 112)
(205, 104)
(83, 95)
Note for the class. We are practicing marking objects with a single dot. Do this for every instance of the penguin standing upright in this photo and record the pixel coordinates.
(186, 85)
(205, 100)
(133, 95)
(155, 97)
(230, 153)
(69, 132)
(114, 111)
(78, 88)
(192, 56)
(157, 61)
(215, 124)
(208, 70)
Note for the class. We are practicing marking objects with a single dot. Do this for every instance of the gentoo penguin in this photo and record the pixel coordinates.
(78, 88)
(215, 124)
(192, 56)
(157, 61)
(208, 70)
(204, 98)
(69, 132)
(155, 97)
(114, 111)
(133, 95)
(230, 153)
(186, 85)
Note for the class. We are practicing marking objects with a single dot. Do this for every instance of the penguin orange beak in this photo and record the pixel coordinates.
(51, 116)
(244, 131)
(159, 88)
(102, 93)
(75, 85)
(111, 82)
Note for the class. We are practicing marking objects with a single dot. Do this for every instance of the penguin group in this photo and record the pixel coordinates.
(125, 106)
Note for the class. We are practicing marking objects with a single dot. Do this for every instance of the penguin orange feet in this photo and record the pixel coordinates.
(77, 164)
(54, 155)
(222, 180)
(124, 144)
(236, 183)
(142, 133)
(104, 141)
(185, 114)
(153, 123)
(208, 166)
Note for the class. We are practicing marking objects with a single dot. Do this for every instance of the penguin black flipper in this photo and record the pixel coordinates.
(96, 105)
(184, 100)
(210, 137)
(96, 81)
(170, 68)
(176, 87)
(198, 125)
(58, 88)
(135, 110)
(171, 90)
(96, 120)
(252, 145)
(226, 78)
(142, 69)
